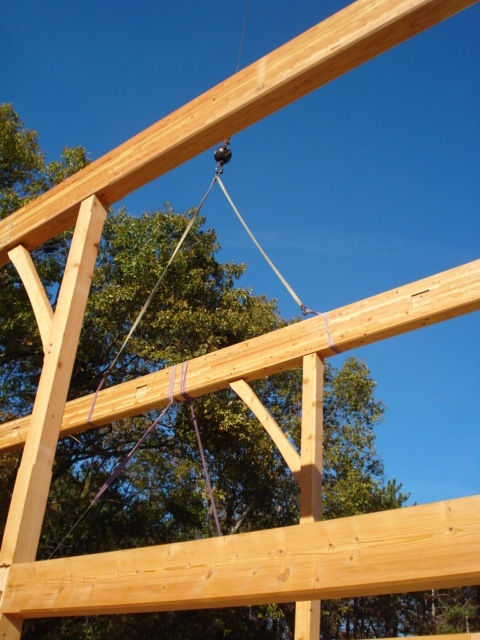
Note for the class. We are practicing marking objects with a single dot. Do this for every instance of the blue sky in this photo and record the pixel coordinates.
(368, 183)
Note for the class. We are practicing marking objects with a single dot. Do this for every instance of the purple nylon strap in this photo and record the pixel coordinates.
(329, 337)
(95, 396)
(183, 392)
(118, 470)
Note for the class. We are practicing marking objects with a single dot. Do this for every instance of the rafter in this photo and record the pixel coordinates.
(415, 548)
(352, 36)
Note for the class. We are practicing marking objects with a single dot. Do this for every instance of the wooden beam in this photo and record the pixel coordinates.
(283, 444)
(419, 304)
(415, 548)
(35, 291)
(354, 35)
(32, 484)
(25, 516)
(312, 439)
(307, 612)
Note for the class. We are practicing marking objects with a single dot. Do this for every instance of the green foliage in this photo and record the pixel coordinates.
(21, 162)
(23, 176)
(23, 172)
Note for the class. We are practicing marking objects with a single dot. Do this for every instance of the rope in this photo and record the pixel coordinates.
(304, 309)
(119, 468)
(147, 303)
(183, 386)
(331, 344)
(243, 37)
(154, 290)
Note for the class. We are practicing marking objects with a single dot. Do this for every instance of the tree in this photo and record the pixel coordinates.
(161, 496)
(23, 176)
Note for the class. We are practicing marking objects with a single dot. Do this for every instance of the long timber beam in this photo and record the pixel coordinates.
(419, 304)
(347, 39)
(410, 549)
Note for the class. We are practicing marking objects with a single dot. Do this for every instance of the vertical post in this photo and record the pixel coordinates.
(27, 507)
(307, 614)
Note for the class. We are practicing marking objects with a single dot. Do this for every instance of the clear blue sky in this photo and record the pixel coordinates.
(368, 183)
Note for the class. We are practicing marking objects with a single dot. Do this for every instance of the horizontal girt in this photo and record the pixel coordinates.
(409, 549)
(352, 36)
(419, 304)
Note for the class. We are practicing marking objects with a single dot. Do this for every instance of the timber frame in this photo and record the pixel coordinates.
(415, 548)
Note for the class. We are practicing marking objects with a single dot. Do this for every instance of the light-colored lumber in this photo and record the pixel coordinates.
(419, 304)
(307, 620)
(354, 35)
(32, 484)
(283, 444)
(307, 613)
(35, 291)
(415, 548)
(312, 439)
(27, 507)
(10, 627)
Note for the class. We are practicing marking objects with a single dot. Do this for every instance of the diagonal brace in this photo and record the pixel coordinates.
(288, 452)
(35, 291)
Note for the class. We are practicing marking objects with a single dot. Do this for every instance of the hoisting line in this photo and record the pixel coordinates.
(171, 401)
(119, 468)
(189, 399)
(147, 302)
(303, 308)
(240, 49)
(223, 155)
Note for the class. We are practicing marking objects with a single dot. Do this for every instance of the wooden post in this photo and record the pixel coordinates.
(307, 614)
(27, 507)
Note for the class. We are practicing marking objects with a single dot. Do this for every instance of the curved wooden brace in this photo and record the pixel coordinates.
(288, 452)
(35, 291)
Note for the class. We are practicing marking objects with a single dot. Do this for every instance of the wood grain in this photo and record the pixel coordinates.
(443, 296)
(409, 549)
(352, 36)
